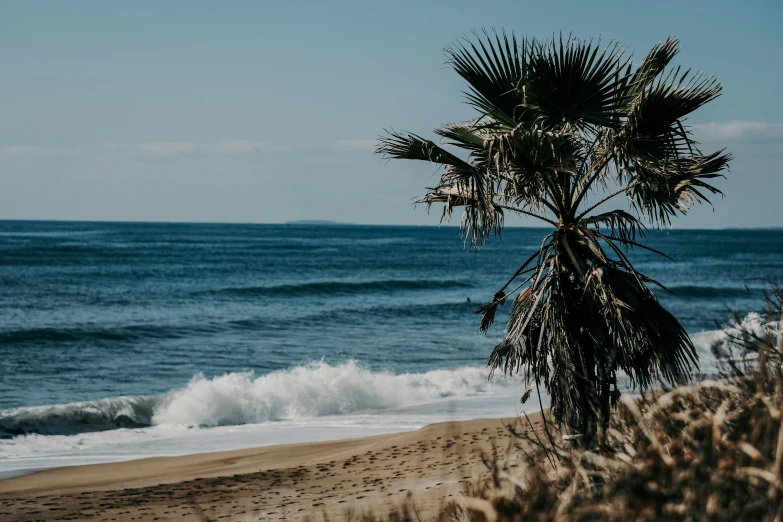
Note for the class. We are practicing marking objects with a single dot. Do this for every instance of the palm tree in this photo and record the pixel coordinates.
(560, 123)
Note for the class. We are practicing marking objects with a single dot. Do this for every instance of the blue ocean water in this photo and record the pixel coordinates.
(243, 319)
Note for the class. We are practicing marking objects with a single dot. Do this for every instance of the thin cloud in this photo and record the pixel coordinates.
(740, 131)
(355, 145)
(157, 148)
(176, 148)
(42, 151)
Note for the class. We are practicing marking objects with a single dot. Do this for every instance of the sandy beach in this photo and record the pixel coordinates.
(288, 482)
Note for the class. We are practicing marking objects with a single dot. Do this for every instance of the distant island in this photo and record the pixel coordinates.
(320, 222)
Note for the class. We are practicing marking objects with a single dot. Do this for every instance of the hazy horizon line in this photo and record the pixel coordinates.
(328, 222)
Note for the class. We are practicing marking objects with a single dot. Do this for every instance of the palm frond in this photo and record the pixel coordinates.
(653, 131)
(575, 82)
(480, 219)
(494, 70)
(620, 223)
(406, 145)
(467, 136)
(654, 64)
(461, 184)
(532, 159)
(659, 192)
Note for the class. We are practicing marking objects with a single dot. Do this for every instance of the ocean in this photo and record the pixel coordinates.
(125, 340)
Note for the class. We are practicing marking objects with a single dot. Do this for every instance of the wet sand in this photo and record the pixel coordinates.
(289, 482)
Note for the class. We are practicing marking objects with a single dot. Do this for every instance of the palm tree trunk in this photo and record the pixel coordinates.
(582, 356)
(586, 386)
(604, 400)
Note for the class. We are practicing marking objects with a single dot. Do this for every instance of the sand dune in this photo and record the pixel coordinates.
(289, 482)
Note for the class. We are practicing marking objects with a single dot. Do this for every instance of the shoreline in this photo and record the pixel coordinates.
(282, 482)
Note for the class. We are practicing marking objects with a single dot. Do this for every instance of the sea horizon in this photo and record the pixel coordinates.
(329, 223)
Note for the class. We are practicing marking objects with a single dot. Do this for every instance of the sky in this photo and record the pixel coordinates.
(267, 111)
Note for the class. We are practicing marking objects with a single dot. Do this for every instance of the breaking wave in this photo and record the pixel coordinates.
(313, 390)
(79, 417)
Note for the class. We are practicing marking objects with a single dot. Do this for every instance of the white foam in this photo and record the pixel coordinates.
(314, 390)
(753, 322)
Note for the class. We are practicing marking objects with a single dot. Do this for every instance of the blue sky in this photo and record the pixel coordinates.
(266, 111)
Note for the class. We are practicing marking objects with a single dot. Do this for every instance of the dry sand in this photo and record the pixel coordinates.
(289, 482)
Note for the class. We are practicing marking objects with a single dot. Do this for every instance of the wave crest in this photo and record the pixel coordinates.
(80, 417)
(313, 390)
